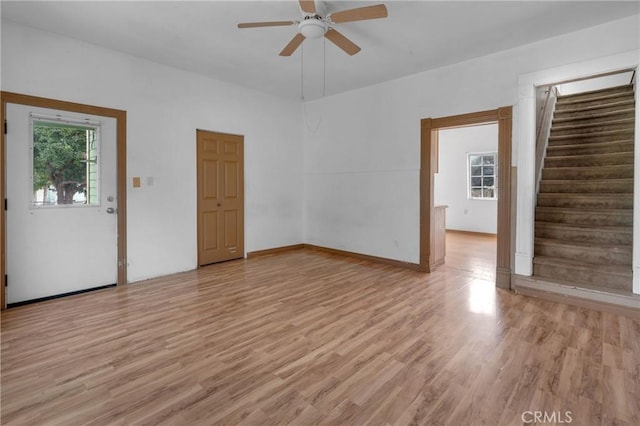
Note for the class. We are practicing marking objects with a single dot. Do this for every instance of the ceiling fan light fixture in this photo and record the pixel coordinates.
(312, 28)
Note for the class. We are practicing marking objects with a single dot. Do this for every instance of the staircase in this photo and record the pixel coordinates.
(584, 213)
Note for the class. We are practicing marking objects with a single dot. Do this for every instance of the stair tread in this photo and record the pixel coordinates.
(591, 145)
(591, 135)
(614, 89)
(584, 194)
(583, 244)
(593, 116)
(622, 270)
(566, 100)
(608, 180)
(610, 154)
(621, 200)
(601, 167)
(587, 286)
(582, 210)
(585, 173)
(630, 103)
(587, 125)
(588, 228)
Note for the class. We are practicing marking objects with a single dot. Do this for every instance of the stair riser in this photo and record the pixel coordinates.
(626, 89)
(561, 130)
(593, 255)
(592, 187)
(623, 115)
(562, 104)
(584, 235)
(594, 111)
(595, 138)
(586, 218)
(590, 160)
(600, 279)
(585, 149)
(582, 173)
(586, 202)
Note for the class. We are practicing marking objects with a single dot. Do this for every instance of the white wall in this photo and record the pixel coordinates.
(164, 108)
(464, 213)
(353, 185)
(362, 159)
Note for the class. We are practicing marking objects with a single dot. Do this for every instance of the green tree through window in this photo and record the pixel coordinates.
(60, 159)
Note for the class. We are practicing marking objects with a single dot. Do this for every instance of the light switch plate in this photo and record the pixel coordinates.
(136, 182)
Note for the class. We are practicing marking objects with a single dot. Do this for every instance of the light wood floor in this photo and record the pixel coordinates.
(306, 337)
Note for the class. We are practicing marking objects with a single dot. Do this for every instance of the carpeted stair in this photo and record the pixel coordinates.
(584, 213)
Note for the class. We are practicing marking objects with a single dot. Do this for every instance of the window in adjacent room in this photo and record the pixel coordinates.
(483, 168)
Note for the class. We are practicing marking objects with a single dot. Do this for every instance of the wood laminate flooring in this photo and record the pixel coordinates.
(306, 337)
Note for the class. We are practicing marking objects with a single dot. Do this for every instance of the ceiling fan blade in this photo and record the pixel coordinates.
(342, 42)
(265, 24)
(293, 45)
(359, 14)
(308, 6)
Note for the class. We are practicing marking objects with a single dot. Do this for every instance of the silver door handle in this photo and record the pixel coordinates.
(111, 210)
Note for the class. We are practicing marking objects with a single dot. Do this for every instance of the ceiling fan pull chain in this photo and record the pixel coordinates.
(324, 67)
(302, 73)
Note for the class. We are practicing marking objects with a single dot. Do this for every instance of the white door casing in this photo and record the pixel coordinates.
(59, 249)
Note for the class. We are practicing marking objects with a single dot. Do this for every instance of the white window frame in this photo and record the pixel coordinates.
(494, 176)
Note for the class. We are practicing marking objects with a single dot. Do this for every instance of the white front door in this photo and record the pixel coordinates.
(61, 202)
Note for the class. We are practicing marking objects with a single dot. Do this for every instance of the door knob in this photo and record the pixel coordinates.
(111, 210)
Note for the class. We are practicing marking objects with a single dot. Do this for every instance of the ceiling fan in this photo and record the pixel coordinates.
(315, 26)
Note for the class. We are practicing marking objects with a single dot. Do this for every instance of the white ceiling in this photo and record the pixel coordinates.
(417, 36)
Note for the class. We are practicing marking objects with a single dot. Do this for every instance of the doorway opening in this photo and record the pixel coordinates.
(429, 133)
(466, 191)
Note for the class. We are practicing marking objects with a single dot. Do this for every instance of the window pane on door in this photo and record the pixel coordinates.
(65, 164)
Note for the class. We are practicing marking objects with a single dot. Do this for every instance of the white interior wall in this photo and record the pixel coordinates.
(164, 108)
(362, 148)
(359, 180)
(451, 189)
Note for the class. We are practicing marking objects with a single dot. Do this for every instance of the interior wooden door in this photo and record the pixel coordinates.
(220, 167)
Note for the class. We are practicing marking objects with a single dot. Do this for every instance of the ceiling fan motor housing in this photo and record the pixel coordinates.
(312, 27)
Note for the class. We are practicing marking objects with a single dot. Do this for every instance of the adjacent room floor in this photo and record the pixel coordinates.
(306, 337)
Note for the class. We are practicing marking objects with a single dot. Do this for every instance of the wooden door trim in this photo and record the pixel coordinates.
(199, 225)
(121, 171)
(428, 165)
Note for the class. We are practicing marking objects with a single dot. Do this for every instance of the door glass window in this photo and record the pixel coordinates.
(65, 163)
